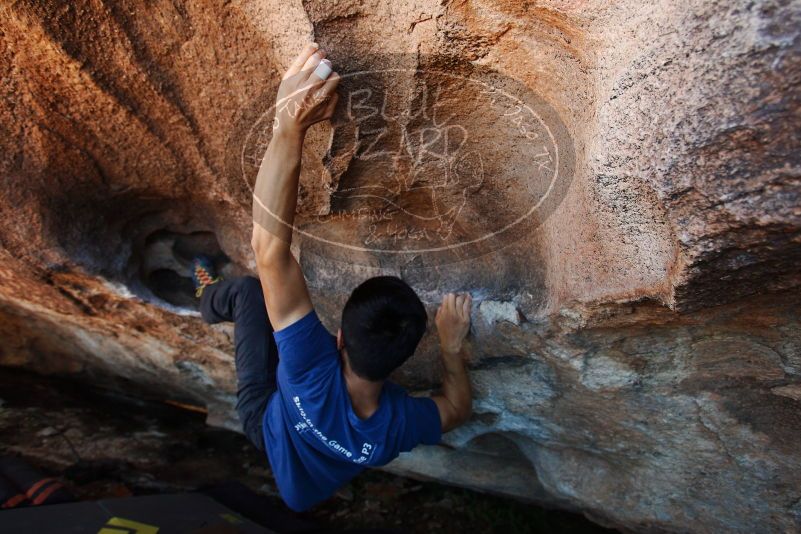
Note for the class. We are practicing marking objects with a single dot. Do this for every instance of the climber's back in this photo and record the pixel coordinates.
(315, 438)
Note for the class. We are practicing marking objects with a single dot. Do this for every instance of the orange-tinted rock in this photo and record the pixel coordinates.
(616, 184)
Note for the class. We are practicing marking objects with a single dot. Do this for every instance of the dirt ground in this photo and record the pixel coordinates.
(102, 444)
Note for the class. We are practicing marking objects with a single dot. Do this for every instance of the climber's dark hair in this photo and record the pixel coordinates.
(382, 323)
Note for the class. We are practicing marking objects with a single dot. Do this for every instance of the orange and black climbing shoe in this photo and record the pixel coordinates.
(203, 274)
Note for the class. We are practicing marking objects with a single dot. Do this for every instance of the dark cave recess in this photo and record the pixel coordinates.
(165, 266)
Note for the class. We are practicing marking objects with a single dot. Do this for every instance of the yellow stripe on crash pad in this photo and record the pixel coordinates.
(136, 526)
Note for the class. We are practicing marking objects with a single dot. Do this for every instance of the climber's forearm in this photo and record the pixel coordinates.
(456, 385)
(456, 402)
(274, 202)
(275, 196)
(304, 98)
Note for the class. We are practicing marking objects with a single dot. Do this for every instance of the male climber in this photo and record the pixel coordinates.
(321, 405)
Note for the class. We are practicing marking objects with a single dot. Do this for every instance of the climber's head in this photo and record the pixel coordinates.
(382, 323)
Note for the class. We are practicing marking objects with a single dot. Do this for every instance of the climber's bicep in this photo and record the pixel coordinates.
(285, 291)
(448, 416)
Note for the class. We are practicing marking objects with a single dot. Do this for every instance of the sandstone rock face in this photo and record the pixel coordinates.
(618, 185)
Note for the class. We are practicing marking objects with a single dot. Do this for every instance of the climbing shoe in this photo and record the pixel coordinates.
(203, 274)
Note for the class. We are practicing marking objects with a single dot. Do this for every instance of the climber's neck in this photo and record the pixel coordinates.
(364, 394)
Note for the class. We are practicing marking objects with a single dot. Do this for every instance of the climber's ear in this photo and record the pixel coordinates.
(340, 340)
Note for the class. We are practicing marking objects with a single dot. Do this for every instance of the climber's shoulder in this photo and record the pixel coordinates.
(305, 346)
(415, 417)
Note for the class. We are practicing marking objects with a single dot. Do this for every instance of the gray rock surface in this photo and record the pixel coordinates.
(618, 185)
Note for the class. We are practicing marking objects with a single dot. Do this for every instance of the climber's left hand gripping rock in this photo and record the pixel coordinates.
(307, 93)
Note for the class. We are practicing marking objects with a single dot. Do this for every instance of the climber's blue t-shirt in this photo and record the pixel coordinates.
(314, 440)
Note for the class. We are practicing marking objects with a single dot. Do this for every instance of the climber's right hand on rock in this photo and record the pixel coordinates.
(307, 94)
(453, 321)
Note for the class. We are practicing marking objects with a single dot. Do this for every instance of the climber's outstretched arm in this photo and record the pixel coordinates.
(282, 282)
(304, 98)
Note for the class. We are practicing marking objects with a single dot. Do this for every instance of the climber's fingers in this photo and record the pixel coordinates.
(311, 92)
(297, 64)
(468, 301)
(318, 90)
(318, 98)
(323, 71)
(459, 304)
(448, 302)
(325, 94)
(330, 85)
(311, 63)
